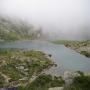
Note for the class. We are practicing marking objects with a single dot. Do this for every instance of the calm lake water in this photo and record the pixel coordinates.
(65, 58)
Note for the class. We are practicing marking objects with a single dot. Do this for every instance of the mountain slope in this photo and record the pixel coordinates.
(16, 30)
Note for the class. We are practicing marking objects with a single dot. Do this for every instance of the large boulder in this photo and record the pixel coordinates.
(69, 76)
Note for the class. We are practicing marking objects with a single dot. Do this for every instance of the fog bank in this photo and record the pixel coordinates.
(61, 19)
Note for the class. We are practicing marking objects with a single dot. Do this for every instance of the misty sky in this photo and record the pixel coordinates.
(65, 18)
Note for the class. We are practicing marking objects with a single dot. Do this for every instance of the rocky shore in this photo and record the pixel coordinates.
(82, 47)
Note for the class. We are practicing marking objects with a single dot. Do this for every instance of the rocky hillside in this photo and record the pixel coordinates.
(17, 30)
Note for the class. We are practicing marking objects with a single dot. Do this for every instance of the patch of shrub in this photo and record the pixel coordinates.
(87, 54)
(80, 83)
(43, 82)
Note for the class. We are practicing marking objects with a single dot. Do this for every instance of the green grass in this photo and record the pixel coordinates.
(19, 64)
(72, 43)
(43, 82)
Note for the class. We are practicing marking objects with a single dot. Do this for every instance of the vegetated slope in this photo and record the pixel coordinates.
(20, 67)
(17, 30)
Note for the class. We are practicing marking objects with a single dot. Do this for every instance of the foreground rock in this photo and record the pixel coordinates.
(69, 76)
(56, 88)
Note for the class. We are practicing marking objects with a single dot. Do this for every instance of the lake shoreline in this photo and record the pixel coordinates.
(82, 47)
(59, 54)
(17, 67)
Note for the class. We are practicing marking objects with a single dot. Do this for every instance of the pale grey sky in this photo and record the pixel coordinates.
(67, 17)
